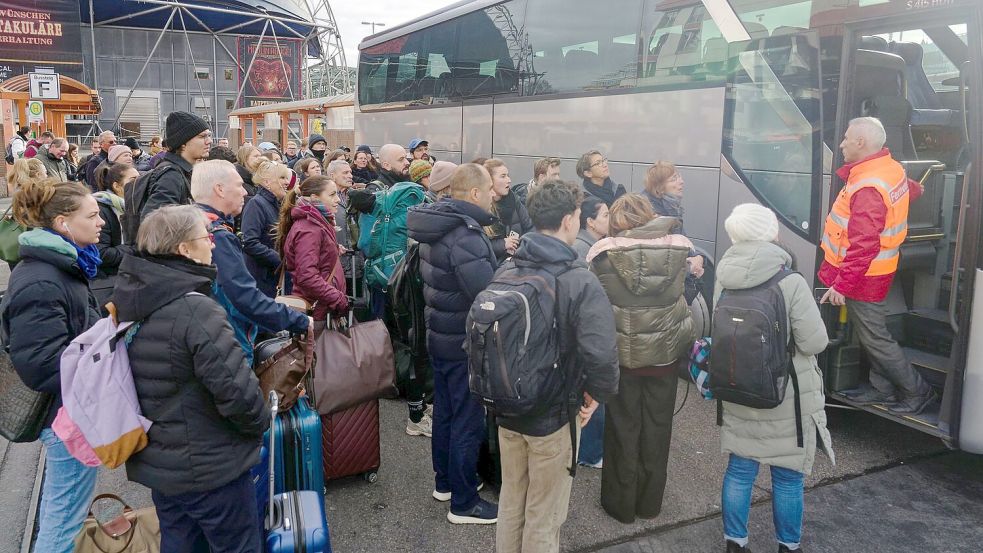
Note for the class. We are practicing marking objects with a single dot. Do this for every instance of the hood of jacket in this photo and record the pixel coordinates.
(748, 264)
(537, 249)
(429, 223)
(633, 254)
(50, 248)
(309, 212)
(147, 283)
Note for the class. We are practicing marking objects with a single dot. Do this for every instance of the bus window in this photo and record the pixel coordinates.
(576, 50)
(771, 125)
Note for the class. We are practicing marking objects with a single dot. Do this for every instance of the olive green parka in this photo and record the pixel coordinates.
(643, 271)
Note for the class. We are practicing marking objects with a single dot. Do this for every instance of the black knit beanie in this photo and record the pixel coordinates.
(181, 127)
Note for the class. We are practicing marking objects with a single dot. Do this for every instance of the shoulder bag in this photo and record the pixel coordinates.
(10, 231)
(282, 364)
(136, 531)
(22, 410)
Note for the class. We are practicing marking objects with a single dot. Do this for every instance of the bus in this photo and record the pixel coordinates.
(749, 99)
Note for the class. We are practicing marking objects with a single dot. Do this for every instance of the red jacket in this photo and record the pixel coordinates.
(311, 254)
(867, 216)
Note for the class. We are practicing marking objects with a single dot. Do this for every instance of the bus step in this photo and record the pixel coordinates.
(927, 422)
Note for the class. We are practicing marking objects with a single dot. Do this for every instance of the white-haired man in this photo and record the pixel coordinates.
(861, 243)
(217, 189)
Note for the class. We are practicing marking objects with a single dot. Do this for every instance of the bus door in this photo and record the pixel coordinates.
(919, 75)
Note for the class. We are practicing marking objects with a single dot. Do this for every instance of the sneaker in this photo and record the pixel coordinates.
(446, 496)
(429, 411)
(873, 397)
(483, 512)
(735, 548)
(912, 405)
(422, 428)
(597, 465)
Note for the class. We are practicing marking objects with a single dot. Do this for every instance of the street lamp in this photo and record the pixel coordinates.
(374, 24)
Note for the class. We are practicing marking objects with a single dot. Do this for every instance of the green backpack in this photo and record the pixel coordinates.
(387, 237)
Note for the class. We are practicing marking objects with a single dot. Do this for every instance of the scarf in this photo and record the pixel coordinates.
(674, 204)
(323, 210)
(112, 200)
(88, 257)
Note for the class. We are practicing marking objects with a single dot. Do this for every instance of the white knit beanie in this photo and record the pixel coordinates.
(751, 222)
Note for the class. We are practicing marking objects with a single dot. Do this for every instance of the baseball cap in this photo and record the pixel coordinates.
(416, 143)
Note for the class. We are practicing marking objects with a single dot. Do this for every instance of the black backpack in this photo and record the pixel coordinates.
(135, 198)
(513, 343)
(751, 359)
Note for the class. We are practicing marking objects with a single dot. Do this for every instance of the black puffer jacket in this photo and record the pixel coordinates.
(512, 217)
(191, 378)
(170, 187)
(46, 306)
(588, 341)
(457, 262)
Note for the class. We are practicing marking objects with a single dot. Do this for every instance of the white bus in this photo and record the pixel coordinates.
(749, 98)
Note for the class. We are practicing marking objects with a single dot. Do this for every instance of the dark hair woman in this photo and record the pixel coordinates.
(593, 225)
(308, 167)
(309, 249)
(193, 381)
(363, 168)
(642, 266)
(47, 304)
(111, 183)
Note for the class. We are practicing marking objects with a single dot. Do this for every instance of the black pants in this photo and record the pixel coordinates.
(226, 517)
(637, 432)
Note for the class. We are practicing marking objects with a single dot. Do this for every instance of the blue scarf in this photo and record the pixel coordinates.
(328, 216)
(88, 257)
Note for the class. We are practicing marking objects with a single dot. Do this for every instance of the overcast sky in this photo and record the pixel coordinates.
(390, 12)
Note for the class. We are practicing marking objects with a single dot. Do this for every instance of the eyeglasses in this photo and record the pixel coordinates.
(209, 236)
(602, 161)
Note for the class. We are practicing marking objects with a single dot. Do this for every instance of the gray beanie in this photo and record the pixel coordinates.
(750, 222)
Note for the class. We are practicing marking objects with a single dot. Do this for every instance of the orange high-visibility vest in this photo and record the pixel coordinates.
(888, 178)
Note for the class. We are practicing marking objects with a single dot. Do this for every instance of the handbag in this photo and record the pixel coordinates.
(354, 363)
(22, 410)
(10, 231)
(292, 301)
(284, 370)
(134, 531)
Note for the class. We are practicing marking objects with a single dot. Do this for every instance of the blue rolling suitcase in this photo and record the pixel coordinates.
(296, 521)
(298, 449)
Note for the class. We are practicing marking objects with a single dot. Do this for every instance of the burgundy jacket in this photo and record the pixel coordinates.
(311, 254)
(867, 216)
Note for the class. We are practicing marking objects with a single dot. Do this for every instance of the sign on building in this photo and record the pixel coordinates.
(45, 86)
(35, 112)
(40, 34)
(275, 73)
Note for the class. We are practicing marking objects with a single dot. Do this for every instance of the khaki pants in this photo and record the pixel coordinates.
(535, 491)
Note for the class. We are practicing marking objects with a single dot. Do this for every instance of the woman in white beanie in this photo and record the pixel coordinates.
(768, 436)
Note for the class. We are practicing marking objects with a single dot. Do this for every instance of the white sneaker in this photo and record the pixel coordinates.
(446, 496)
(422, 428)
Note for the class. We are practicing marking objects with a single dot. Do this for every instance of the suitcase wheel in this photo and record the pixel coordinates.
(371, 477)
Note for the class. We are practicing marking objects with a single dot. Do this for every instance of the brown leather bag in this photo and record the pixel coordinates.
(136, 531)
(284, 370)
(354, 364)
(292, 301)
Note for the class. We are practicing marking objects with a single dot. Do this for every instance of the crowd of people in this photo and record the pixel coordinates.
(195, 242)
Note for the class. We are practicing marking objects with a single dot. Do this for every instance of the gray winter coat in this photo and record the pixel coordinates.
(768, 435)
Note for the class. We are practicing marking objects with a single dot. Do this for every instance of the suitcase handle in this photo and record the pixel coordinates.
(274, 405)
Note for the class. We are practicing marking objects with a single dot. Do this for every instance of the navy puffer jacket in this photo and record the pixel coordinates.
(258, 219)
(457, 262)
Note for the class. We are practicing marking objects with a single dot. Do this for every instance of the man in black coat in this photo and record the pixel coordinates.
(457, 262)
(106, 141)
(535, 492)
(187, 141)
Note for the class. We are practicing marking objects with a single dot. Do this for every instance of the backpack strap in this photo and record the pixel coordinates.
(799, 439)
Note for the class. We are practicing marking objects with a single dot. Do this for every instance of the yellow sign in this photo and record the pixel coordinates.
(35, 112)
(318, 126)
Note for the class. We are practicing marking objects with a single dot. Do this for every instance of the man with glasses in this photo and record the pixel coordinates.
(217, 189)
(593, 168)
(187, 141)
(106, 141)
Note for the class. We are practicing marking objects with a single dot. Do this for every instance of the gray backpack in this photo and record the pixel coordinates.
(751, 357)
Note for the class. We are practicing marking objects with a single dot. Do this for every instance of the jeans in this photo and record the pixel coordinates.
(226, 517)
(458, 430)
(592, 439)
(65, 497)
(786, 492)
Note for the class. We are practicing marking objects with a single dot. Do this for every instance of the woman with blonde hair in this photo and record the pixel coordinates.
(25, 170)
(259, 218)
(249, 158)
(309, 248)
(47, 304)
(642, 266)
